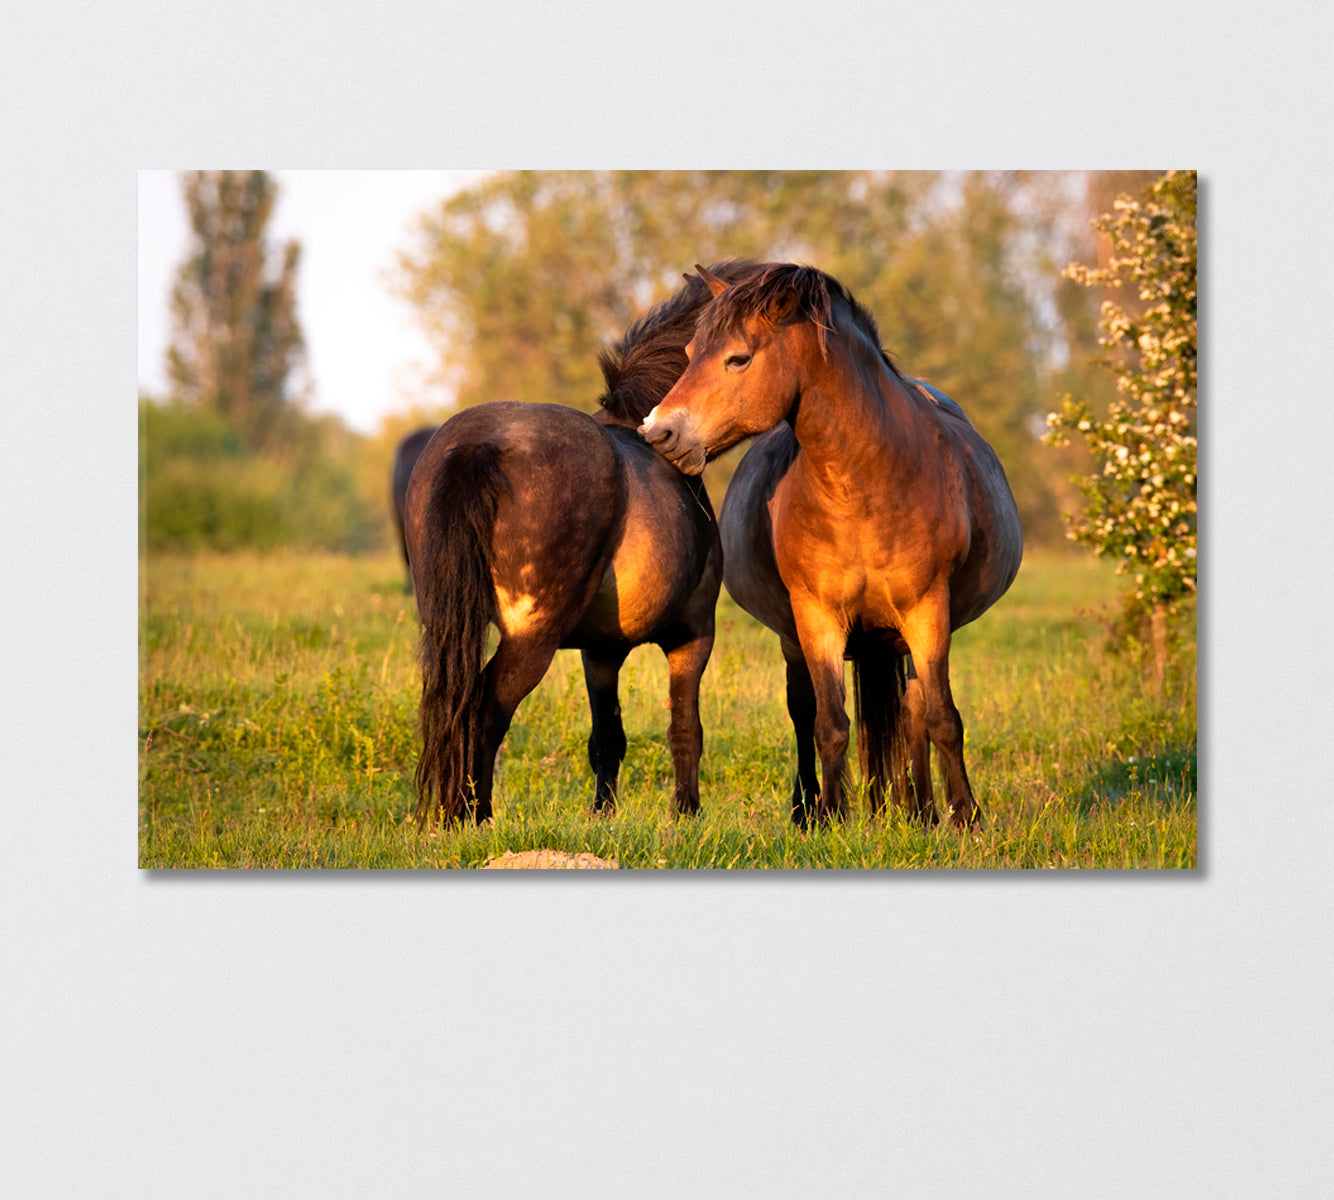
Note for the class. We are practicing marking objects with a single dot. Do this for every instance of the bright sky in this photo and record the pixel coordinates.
(365, 353)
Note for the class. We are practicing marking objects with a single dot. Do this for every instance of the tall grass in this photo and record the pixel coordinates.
(277, 728)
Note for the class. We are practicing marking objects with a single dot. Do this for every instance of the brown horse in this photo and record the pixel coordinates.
(563, 531)
(869, 522)
(405, 458)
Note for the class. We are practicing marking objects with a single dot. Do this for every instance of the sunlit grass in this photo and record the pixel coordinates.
(278, 729)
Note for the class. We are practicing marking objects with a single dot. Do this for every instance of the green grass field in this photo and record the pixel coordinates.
(277, 728)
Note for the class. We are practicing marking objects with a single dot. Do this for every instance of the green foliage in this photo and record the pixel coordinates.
(200, 489)
(222, 506)
(1141, 507)
(277, 728)
(520, 280)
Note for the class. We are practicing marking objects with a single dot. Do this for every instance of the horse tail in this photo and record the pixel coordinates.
(456, 601)
(879, 678)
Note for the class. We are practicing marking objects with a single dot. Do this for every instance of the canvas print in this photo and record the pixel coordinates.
(644, 520)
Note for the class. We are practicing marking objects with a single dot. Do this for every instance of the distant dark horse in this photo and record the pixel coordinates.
(868, 523)
(405, 458)
(564, 531)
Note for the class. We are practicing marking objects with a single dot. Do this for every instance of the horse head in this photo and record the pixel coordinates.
(746, 362)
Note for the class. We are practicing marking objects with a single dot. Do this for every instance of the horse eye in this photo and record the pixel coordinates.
(737, 362)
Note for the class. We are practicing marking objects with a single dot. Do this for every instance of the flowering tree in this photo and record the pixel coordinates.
(1141, 506)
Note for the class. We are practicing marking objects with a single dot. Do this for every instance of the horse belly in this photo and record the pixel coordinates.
(635, 599)
(658, 563)
(976, 588)
(760, 591)
(750, 570)
(997, 543)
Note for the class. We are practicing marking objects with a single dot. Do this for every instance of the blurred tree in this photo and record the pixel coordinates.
(521, 279)
(231, 458)
(1141, 504)
(201, 488)
(236, 340)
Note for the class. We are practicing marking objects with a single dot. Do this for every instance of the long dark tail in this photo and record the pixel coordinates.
(879, 677)
(456, 601)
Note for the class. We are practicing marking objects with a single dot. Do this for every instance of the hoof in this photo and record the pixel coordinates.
(965, 818)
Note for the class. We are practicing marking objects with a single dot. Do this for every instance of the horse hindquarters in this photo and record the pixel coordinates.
(512, 517)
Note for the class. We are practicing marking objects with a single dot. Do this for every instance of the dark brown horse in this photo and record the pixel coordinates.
(563, 530)
(868, 522)
(405, 458)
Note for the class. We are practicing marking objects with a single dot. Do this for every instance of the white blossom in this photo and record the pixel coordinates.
(1142, 503)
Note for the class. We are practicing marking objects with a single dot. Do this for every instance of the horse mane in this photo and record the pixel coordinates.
(815, 296)
(640, 368)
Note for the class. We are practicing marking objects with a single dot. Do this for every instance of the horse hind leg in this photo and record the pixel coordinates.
(515, 669)
(606, 741)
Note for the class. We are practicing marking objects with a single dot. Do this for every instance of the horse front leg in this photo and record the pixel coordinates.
(823, 640)
(686, 661)
(606, 741)
(917, 795)
(927, 633)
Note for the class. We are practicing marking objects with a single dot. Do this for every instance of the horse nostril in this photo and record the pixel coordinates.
(659, 434)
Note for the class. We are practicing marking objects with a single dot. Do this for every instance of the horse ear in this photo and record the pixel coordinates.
(780, 309)
(716, 286)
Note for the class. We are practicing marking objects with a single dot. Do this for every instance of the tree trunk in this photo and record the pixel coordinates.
(1158, 639)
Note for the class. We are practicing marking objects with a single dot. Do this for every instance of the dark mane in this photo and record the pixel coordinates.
(773, 282)
(640, 368)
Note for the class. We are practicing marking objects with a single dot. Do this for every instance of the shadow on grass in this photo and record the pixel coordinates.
(1171, 772)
